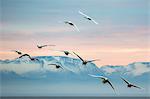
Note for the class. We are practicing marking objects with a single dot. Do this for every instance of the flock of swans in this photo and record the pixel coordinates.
(84, 62)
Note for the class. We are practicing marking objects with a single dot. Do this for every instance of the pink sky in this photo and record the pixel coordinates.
(109, 53)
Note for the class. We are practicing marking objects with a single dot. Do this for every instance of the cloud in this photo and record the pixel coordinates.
(109, 70)
(139, 69)
(134, 69)
(19, 68)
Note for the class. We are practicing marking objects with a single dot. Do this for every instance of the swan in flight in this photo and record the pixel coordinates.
(87, 17)
(129, 85)
(104, 80)
(57, 66)
(31, 58)
(72, 24)
(41, 46)
(18, 52)
(64, 51)
(84, 62)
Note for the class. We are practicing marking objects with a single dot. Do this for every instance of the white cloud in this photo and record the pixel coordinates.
(19, 68)
(109, 70)
(139, 69)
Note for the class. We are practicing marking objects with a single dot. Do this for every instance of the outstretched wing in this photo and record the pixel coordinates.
(84, 14)
(97, 76)
(44, 45)
(78, 56)
(93, 60)
(71, 53)
(136, 86)
(111, 85)
(52, 64)
(57, 65)
(125, 81)
(94, 21)
(76, 28)
(25, 55)
(47, 45)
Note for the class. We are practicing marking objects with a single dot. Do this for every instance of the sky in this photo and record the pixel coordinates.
(121, 37)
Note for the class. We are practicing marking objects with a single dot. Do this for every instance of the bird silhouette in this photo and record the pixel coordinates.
(84, 62)
(31, 58)
(64, 51)
(18, 52)
(72, 24)
(104, 80)
(87, 17)
(129, 85)
(41, 46)
(57, 66)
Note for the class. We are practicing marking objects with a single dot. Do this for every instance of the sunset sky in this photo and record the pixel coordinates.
(121, 37)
